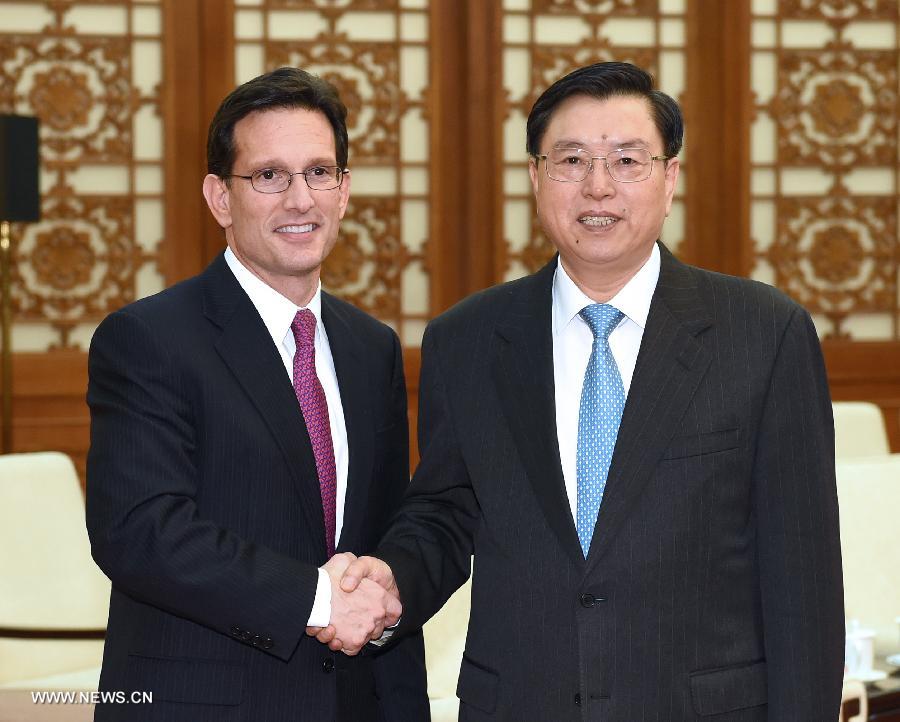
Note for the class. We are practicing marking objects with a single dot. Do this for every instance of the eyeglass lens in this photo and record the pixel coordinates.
(573, 164)
(276, 180)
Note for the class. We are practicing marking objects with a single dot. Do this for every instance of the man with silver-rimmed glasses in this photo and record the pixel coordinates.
(638, 455)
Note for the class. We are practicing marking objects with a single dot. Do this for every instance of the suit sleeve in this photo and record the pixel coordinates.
(400, 676)
(798, 537)
(142, 514)
(429, 545)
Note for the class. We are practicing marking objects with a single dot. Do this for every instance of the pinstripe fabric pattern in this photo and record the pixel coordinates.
(203, 508)
(712, 589)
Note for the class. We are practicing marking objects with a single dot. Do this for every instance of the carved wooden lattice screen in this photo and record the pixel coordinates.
(376, 53)
(543, 40)
(92, 73)
(825, 161)
(441, 206)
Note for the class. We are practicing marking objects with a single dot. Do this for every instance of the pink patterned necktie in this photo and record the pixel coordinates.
(315, 413)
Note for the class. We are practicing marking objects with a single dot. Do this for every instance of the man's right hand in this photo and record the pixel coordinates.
(372, 569)
(361, 606)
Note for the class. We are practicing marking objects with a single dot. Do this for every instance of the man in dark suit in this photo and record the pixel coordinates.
(638, 453)
(244, 424)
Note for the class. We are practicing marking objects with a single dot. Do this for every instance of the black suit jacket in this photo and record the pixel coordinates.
(712, 588)
(203, 508)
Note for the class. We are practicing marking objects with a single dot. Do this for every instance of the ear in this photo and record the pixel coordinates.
(533, 173)
(344, 188)
(218, 198)
(671, 181)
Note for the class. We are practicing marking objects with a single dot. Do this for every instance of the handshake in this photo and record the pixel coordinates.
(364, 601)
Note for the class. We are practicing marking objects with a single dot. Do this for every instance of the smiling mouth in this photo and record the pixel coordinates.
(305, 228)
(598, 221)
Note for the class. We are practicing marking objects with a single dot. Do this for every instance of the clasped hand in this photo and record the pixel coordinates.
(364, 601)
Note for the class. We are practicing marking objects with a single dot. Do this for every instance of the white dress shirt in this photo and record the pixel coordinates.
(277, 313)
(572, 341)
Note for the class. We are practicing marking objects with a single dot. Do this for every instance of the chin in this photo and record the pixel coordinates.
(596, 251)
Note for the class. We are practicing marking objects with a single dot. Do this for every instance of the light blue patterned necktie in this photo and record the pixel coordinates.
(602, 401)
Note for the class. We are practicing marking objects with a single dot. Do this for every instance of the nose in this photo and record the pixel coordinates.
(599, 183)
(298, 195)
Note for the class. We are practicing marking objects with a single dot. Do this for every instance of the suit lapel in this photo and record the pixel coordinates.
(523, 375)
(670, 365)
(246, 348)
(356, 399)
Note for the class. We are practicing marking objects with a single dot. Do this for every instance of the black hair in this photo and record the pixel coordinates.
(282, 88)
(602, 81)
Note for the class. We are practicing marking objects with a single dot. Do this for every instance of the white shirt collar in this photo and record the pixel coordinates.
(633, 299)
(276, 311)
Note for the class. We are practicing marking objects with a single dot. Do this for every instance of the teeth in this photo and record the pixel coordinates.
(597, 220)
(306, 228)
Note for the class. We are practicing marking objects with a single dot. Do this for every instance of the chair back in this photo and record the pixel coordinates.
(445, 641)
(869, 497)
(51, 586)
(859, 430)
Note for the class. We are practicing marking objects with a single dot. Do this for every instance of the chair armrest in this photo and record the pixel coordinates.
(31, 633)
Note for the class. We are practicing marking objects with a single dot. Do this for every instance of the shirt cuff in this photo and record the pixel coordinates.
(320, 615)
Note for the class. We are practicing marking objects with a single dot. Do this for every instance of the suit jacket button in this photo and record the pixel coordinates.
(245, 635)
(267, 643)
(236, 632)
(328, 665)
(578, 698)
(588, 600)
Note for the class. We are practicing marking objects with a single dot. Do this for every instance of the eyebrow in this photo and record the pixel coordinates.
(272, 163)
(627, 143)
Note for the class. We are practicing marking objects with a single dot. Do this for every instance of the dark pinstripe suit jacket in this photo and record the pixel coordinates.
(203, 508)
(712, 589)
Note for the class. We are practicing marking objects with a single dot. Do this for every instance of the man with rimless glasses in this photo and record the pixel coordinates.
(245, 425)
(638, 455)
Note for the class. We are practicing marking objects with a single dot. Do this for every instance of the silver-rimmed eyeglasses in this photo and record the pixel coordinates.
(625, 165)
(278, 180)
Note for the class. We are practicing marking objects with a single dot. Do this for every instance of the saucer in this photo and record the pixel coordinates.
(872, 675)
(893, 660)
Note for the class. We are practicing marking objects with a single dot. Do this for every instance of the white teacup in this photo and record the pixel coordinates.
(859, 650)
